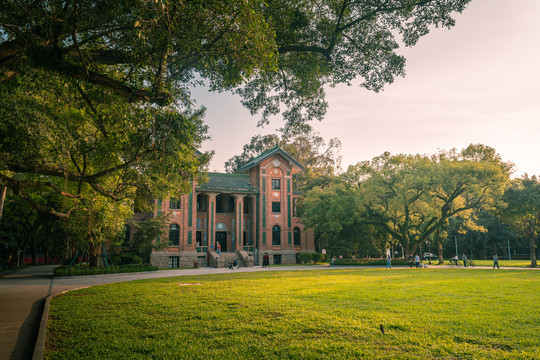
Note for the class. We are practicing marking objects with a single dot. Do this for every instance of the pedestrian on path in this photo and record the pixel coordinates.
(464, 258)
(388, 262)
(417, 261)
(218, 248)
(496, 261)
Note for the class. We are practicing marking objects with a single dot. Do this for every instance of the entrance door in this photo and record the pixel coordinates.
(221, 238)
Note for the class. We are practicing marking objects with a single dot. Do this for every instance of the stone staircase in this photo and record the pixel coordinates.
(244, 259)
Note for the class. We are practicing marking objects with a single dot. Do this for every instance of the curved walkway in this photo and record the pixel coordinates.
(24, 300)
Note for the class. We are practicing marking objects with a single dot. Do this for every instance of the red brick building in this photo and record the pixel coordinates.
(247, 213)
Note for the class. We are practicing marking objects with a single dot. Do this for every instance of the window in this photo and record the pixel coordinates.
(231, 203)
(219, 204)
(174, 235)
(174, 203)
(247, 238)
(276, 207)
(201, 202)
(173, 261)
(277, 259)
(246, 206)
(296, 235)
(276, 184)
(276, 235)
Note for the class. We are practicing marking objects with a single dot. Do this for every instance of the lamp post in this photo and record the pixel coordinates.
(455, 239)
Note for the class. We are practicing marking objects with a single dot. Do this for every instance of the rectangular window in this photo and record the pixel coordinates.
(276, 207)
(231, 204)
(173, 261)
(174, 203)
(199, 239)
(277, 259)
(276, 184)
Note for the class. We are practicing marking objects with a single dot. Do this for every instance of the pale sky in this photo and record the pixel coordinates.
(478, 82)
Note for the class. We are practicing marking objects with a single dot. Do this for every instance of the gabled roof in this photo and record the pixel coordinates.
(228, 183)
(268, 153)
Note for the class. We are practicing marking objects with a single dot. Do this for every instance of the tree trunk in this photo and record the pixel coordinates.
(439, 253)
(532, 248)
(93, 255)
(3, 192)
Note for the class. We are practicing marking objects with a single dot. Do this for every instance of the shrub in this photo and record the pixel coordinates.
(304, 258)
(85, 270)
(317, 257)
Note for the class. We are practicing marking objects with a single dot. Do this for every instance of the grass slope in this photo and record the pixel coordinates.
(337, 314)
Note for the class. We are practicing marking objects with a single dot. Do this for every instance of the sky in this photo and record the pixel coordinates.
(477, 83)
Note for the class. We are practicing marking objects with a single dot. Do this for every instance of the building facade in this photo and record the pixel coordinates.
(244, 215)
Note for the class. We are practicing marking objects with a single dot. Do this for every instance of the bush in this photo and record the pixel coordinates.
(85, 270)
(317, 257)
(304, 258)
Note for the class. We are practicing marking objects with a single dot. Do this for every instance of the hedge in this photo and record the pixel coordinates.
(85, 270)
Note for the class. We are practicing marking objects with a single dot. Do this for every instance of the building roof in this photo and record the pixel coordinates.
(273, 151)
(228, 183)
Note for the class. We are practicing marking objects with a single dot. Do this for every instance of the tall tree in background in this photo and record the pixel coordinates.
(321, 160)
(410, 198)
(523, 211)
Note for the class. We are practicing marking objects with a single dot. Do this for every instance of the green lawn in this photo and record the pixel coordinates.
(502, 263)
(315, 314)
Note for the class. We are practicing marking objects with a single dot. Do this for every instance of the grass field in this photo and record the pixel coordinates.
(315, 314)
(502, 263)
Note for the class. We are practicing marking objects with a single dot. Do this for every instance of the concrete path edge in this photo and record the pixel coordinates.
(42, 334)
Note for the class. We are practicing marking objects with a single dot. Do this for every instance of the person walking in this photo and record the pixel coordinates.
(266, 260)
(464, 258)
(496, 261)
(388, 262)
(410, 261)
(417, 261)
(218, 248)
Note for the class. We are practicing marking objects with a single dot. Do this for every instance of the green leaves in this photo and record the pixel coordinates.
(407, 198)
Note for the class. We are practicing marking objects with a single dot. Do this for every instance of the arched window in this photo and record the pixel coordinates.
(276, 235)
(296, 234)
(174, 235)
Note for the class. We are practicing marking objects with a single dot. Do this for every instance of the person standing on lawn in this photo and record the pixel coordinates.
(417, 261)
(496, 261)
(388, 262)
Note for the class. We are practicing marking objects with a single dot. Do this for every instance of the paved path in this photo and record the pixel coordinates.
(23, 294)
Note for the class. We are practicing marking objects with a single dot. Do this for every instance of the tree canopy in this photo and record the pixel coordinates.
(321, 160)
(95, 95)
(523, 211)
(409, 198)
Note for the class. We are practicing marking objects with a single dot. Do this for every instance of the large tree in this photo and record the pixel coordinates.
(95, 95)
(410, 198)
(523, 211)
(321, 159)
